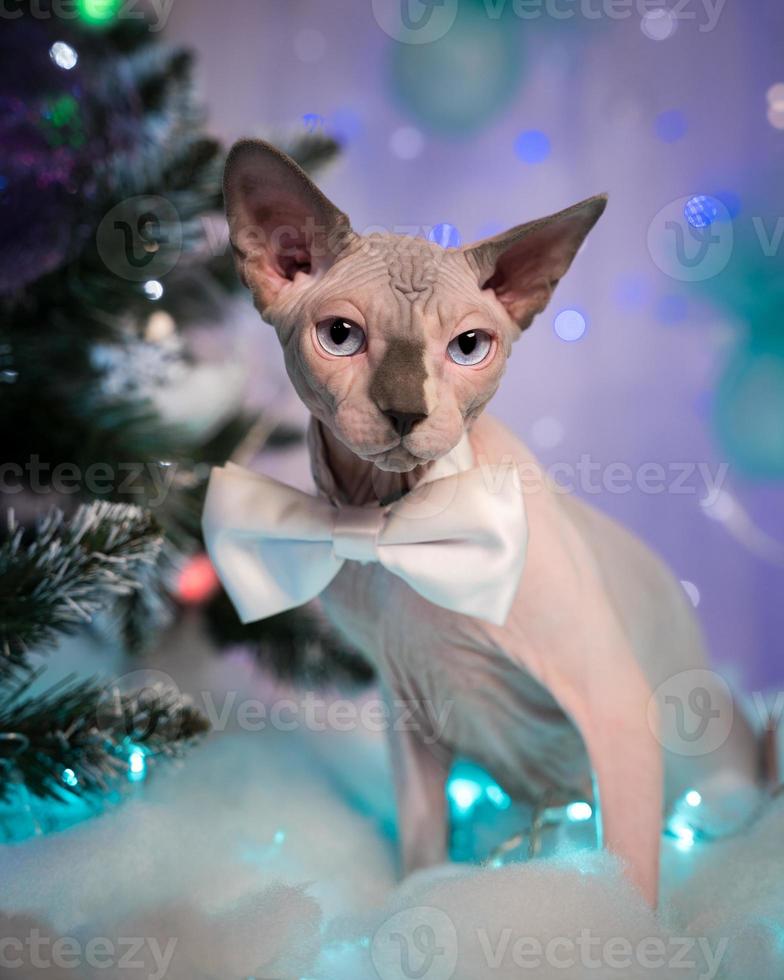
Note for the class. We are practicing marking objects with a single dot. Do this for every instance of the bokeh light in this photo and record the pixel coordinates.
(197, 581)
(749, 411)
(63, 55)
(445, 235)
(153, 289)
(70, 778)
(701, 210)
(659, 24)
(532, 146)
(137, 764)
(570, 325)
(691, 591)
(461, 82)
(406, 142)
(547, 432)
(464, 794)
(98, 12)
(776, 117)
(579, 811)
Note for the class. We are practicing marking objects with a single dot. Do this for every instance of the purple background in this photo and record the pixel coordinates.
(638, 386)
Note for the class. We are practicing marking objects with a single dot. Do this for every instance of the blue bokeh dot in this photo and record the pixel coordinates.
(570, 325)
(445, 235)
(671, 125)
(533, 146)
(701, 211)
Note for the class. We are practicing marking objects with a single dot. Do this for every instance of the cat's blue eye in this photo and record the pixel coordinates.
(471, 347)
(340, 337)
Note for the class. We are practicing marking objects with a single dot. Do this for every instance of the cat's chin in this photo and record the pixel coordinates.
(398, 462)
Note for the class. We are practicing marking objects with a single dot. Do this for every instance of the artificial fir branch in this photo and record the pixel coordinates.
(59, 577)
(87, 727)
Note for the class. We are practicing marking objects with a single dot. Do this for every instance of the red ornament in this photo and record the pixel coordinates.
(197, 582)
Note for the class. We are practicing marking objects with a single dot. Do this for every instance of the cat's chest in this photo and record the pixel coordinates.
(455, 683)
(409, 641)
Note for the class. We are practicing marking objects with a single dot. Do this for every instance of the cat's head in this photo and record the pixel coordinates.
(392, 342)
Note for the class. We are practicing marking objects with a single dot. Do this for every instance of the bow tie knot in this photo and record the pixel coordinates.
(356, 531)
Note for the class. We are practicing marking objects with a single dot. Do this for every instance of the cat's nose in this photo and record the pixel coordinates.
(404, 422)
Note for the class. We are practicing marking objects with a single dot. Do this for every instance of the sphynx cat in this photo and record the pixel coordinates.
(395, 346)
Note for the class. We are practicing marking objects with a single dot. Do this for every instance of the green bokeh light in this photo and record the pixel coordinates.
(749, 410)
(458, 84)
(98, 12)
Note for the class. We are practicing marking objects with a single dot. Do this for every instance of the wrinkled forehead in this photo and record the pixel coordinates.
(402, 283)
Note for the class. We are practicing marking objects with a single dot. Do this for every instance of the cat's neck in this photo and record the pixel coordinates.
(347, 479)
(350, 480)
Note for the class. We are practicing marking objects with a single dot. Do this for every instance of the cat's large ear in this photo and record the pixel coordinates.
(523, 265)
(279, 221)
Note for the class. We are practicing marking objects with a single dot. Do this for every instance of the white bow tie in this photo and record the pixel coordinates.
(459, 540)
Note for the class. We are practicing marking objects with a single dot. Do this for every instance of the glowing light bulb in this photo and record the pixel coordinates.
(693, 798)
(579, 812)
(137, 765)
(70, 778)
(153, 289)
(197, 582)
(464, 793)
(684, 834)
(63, 55)
(685, 838)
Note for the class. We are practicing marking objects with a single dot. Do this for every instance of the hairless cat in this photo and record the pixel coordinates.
(526, 630)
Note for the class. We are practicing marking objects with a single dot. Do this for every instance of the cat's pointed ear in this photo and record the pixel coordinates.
(279, 221)
(523, 265)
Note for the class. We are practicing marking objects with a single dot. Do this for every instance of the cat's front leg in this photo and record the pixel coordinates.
(611, 709)
(420, 770)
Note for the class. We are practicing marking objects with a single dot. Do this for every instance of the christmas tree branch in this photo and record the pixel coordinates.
(75, 737)
(58, 577)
